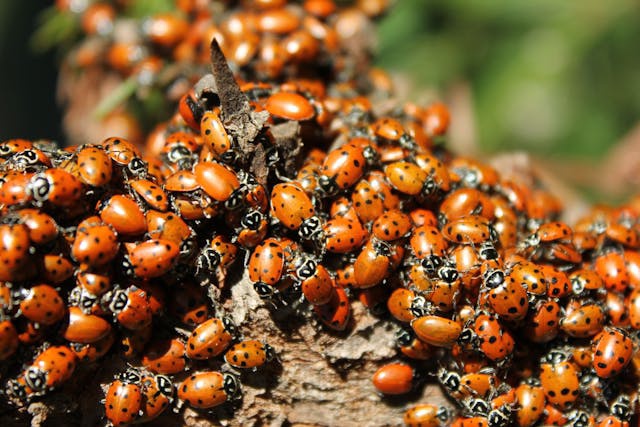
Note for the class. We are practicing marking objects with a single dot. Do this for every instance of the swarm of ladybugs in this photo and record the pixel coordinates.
(159, 52)
(321, 199)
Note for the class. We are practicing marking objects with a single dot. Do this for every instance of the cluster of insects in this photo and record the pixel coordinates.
(321, 199)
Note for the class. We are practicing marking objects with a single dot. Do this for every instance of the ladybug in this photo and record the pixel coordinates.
(622, 407)
(443, 294)
(479, 384)
(165, 357)
(179, 149)
(94, 166)
(15, 253)
(85, 328)
(249, 354)
(611, 267)
(372, 264)
(387, 129)
(8, 339)
(217, 257)
(494, 341)
(294, 209)
(342, 168)
(472, 229)
(15, 188)
(471, 173)
(612, 421)
(219, 182)
(96, 283)
(57, 187)
(412, 347)
(436, 119)
(585, 280)
(408, 178)
(612, 352)
(529, 276)
(253, 229)
(13, 146)
(95, 245)
(436, 331)
(121, 151)
(400, 304)
(131, 307)
(464, 202)
(123, 400)
(394, 378)
(215, 136)
(208, 389)
(316, 283)
(558, 284)
(392, 225)
(152, 194)
(438, 180)
(367, 202)
(290, 106)
(42, 304)
(267, 266)
(625, 234)
(157, 395)
(583, 321)
(182, 181)
(381, 185)
(190, 111)
(426, 415)
(559, 381)
(43, 229)
(427, 240)
(55, 268)
(210, 338)
(153, 258)
(531, 402)
(344, 235)
(336, 313)
(124, 215)
(509, 301)
(543, 321)
(167, 226)
(53, 367)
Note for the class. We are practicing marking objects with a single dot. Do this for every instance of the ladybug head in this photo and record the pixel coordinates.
(165, 386)
(270, 353)
(305, 267)
(236, 199)
(310, 228)
(404, 337)
(137, 167)
(420, 307)
(229, 326)
(327, 185)
(36, 379)
(263, 290)
(251, 220)
(431, 263)
(40, 187)
(231, 385)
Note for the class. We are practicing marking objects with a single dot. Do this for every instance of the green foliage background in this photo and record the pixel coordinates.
(547, 76)
(551, 77)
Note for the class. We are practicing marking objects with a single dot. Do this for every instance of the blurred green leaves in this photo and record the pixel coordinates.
(550, 77)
